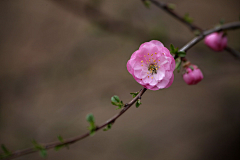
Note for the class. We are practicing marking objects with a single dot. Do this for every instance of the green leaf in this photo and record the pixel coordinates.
(197, 32)
(134, 94)
(57, 148)
(116, 102)
(138, 103)
(43, 153)
(37, 146)
(109, 126)
(147, 3)
(187, 18)
(115, 99)
(172, 49)
(222, 21)
(60, 139)
(171, 6)
(191, 67)
(181, 54)
(178, 65)
(5, 150)
(90, 118)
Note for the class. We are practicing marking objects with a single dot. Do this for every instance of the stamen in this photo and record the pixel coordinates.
(152, 77)
(141, 61)
(151, 54)
(155, 52)
(148, 53)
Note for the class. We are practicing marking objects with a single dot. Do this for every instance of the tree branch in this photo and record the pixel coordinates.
(228, 26)
(165, 7)
(191, 26)
(78, 138)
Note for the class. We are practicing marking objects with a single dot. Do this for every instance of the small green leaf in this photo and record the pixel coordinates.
(197, 32)
(134, 94)
(147, 3)
(43, 153)
(171, 6)
(5, 150)
(115, 99)
(172, 48)
(181, 54)
(60, 139)
(57, 148)
(178, 65)
(37, 145)
(187, 18)
(90, 118)
(191, 67)
(138, 103)
(222, 21)
(109, 126)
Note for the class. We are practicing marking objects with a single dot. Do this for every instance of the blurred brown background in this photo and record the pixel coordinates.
(63, 59)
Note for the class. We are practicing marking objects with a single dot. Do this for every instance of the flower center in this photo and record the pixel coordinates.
(153, 68)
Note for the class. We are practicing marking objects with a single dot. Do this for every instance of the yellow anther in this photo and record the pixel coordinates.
(148, 76)
(151, 54)
(148, 53)
(141, 61)
(144, 56)
(152, 77)
(154, 60)
(141, 65)
(147, 72)
(159, 60)
(155, 52)
(156, 68)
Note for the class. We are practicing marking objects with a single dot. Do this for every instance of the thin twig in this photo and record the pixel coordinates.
(78, 138)
(228, 26)
(165, 7)
(191, 26)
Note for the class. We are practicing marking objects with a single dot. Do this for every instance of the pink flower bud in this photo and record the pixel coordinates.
(216, 41)
(152, 65)
(193, 76)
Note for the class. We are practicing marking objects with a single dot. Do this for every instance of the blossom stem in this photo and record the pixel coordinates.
(78, 138)
(194, 41)
(194, 27)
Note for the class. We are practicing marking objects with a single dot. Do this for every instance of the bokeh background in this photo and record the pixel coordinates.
(63, 59)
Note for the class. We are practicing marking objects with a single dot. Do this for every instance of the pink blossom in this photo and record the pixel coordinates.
(193, 76)
(152, 66)
(216, 41)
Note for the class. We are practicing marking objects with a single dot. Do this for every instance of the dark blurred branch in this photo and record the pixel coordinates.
(235, 53)
(170, 11)
(193, 27)
(78, 138)
(228, 26)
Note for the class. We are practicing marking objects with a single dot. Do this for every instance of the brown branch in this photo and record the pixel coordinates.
(228, 26)
(165, 7)
(78, 138)
(191, 26)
